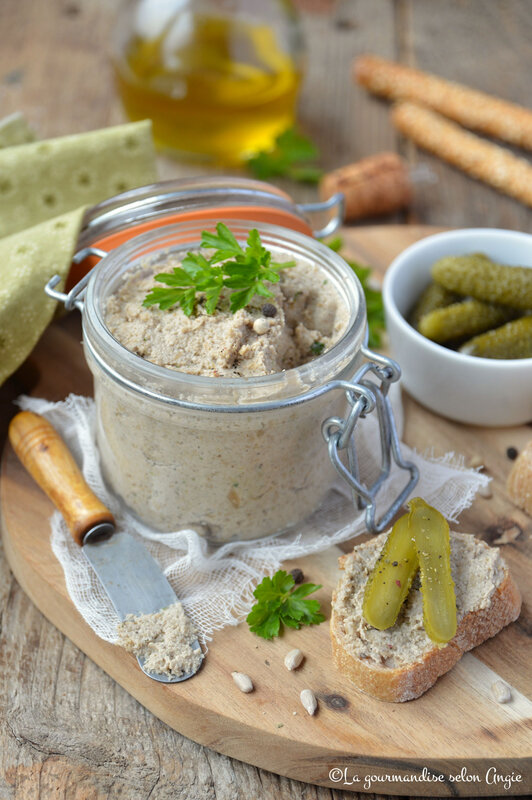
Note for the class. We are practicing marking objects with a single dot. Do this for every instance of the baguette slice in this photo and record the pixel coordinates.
(401, 662)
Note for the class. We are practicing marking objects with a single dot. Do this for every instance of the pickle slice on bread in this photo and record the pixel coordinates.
(430, 531)
(389, 583)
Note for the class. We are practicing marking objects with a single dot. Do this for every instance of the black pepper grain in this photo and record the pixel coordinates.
(297, 575)
(512, 453)
(269, 310)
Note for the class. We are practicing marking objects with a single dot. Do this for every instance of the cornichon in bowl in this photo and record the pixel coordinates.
(513, 340)
(431, 299)
(480, 277)
(477, 306)
(464, 319)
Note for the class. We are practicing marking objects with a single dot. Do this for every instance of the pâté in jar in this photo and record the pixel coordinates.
(211, 418)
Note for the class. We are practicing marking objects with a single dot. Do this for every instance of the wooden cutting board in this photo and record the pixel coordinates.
(454, 741)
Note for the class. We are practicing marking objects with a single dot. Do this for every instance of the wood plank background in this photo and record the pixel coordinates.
(67, 730)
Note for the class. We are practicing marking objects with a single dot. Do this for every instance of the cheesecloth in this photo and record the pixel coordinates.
(216, 586)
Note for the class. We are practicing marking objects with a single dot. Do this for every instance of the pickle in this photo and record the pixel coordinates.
(513, 340)
(430, 532)
(434, 296)
(479, 277)
(463, 319)
(391, 577)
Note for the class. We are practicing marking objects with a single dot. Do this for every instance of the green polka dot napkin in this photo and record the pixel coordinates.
(41, 180)
(45, 188)
(32, 257)
(15, 129)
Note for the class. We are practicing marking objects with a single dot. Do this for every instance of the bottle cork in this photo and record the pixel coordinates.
(379, 184)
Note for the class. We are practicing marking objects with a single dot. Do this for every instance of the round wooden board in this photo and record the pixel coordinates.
(453, 741)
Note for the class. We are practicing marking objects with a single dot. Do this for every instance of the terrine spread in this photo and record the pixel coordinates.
(304, 318)
(165, 640)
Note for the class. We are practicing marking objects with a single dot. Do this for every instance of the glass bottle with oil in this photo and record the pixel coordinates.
(218, 78)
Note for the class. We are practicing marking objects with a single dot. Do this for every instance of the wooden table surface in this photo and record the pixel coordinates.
(54, 66)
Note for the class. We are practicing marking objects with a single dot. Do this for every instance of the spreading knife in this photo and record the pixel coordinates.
(132, 579)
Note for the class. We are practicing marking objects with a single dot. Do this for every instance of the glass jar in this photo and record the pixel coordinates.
(218, 78)
(237, 458)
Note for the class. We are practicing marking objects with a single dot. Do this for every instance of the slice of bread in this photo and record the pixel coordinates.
(401, 662)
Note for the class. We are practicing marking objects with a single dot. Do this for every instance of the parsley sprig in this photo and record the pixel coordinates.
(244, 272)
(374, 304)
(290, 157)
(279, 603)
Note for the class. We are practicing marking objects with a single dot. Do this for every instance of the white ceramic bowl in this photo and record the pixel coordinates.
(478, 391)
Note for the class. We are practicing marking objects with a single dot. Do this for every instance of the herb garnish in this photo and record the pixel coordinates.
(243, 271)
(289, 158)
(374, 304)
(279, 603)
(317, 348)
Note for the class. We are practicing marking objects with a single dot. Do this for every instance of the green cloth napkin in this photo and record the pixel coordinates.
(29, 259)
(15, 129)
(42, 180)
(45, 188)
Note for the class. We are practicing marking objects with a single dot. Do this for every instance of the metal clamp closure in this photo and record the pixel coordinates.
(364, 396)
(74, 299)
(334, 207)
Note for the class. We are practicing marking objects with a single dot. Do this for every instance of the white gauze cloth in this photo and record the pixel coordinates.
(216, 586)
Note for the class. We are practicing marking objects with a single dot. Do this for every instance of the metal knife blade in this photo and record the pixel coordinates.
(130, 576)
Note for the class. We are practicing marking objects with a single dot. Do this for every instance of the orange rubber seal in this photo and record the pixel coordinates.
(111, 241)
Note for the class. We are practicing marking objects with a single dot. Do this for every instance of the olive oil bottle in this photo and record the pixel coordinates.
(217, 87)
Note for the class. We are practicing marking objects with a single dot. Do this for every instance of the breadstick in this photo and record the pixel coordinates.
(378, 184)
(480, 159)
(472, 109)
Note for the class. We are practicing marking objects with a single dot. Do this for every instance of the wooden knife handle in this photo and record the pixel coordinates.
(49, 461)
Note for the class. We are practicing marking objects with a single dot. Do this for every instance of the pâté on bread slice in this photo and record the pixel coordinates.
(401, 663)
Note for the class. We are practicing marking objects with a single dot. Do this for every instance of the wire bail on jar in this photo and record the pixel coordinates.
(365, 396)
(74, 298)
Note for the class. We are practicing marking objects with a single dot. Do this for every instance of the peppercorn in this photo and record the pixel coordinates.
(512, 453)
(269, 310)
(297, 575)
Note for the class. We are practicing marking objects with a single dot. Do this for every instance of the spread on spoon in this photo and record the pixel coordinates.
(165, 640)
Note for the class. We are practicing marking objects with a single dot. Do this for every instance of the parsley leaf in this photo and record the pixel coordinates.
(278, 603)
(289, 157)
(374, 304)
(317, 347)
(230, 267)
(224, 242)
